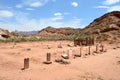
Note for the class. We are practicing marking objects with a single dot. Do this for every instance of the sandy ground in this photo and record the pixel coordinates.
(103, 66)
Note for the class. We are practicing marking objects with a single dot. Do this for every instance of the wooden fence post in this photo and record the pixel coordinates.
(48, 59)
(102, 48)
(80, 51)
(26, 63)
(96, 48)
(68, 53)
(89, 50)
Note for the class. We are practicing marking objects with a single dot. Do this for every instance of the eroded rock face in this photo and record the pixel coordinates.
(4, 34)
(113, 27)
(104, 26)
(109, 28)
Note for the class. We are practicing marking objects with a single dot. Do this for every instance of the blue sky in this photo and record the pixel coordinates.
(28, 15)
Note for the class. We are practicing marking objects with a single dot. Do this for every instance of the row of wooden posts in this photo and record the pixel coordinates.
(87, 41)
(48, 56)
(26, 61)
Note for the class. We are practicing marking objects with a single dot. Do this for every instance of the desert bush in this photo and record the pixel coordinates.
(112, 41)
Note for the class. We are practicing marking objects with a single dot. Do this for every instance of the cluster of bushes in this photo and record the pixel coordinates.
(37, 38)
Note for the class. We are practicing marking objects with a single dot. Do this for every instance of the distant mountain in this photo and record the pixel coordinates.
(27, 32)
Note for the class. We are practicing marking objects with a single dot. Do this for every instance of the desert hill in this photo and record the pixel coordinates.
(106, 27)
(106, 23)
(50, 31)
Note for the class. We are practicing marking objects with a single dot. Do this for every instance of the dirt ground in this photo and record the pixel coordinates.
(102, 66)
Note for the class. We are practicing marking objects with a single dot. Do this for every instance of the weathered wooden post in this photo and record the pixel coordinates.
(86, 40)
(48, 59)
(102, 47)
(26, 63)
(96, 48)
(80, 51)
(93, 40)
(89, 50)
(75, 42)
(68, 53)
(89, 41)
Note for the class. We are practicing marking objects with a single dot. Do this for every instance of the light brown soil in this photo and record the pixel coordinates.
(92, 67)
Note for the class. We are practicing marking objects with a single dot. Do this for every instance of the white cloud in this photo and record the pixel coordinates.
(110, 2)
(30, 25)
(6, 13)
(74, 4)
(36, 4)
(18, 6)
(58, 14)
(104, 7)
(75, 22)
(33, 3)
(113, 8)
(57, 18)
(29, 9)
(22, 22)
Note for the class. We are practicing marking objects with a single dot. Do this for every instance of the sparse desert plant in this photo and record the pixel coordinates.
(112, 41)
(19, 39)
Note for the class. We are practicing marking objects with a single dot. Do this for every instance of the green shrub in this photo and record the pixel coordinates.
(112, 41)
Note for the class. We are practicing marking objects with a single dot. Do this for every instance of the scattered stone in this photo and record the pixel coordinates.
(69, 45)
(28, 49)
(13, 47)
(61, 61)
(58, 60)
(118, 46)
(65, 56)
(60, 46)
(114, 47)
(48, 47)
(77, 55)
